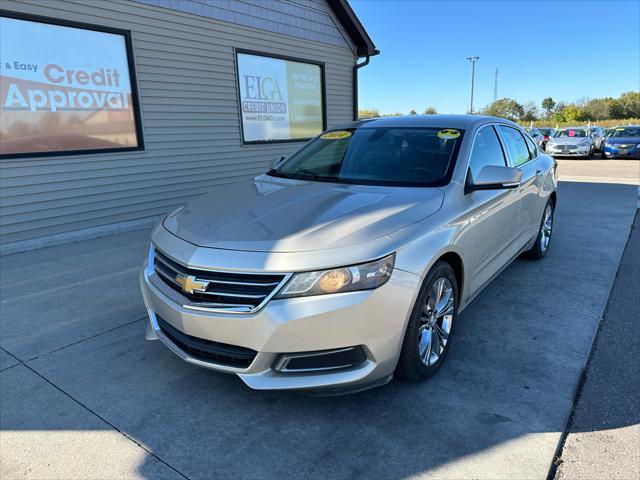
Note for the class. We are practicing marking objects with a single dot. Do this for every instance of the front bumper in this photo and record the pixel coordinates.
(560, 151)
(373, 320)
(615, 151)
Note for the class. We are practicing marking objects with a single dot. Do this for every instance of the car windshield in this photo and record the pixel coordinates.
(546, 131)
(571, 132)
(626, 132)
(376, 156)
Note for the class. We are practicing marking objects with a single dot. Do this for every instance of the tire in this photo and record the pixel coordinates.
(545, 231)
(429, 328)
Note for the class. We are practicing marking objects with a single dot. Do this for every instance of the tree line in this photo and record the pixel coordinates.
(624, 107)
(374, 112)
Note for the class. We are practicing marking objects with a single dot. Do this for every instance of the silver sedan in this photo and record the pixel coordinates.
(353, 258)
(571, 142)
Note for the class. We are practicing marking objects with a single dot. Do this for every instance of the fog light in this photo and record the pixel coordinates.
(320, 360)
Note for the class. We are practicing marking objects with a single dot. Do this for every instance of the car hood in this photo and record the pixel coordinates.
(624, 140)
(568, 140)
(283, 215)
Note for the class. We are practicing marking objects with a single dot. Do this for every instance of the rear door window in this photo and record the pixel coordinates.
(515, 145)
(533, 150)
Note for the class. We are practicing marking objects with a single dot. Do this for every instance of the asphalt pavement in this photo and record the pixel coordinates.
(83, 395)
(603, 440)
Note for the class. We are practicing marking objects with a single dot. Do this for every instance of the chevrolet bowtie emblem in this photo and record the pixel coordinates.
(190, 284)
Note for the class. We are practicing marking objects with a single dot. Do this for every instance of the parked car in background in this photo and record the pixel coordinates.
(598, 134)
(623, 142)
(546, 134)
(351, 259)
(536, 135)
(571, 142)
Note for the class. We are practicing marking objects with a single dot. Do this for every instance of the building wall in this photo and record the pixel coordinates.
(308, 19)
(189, 106)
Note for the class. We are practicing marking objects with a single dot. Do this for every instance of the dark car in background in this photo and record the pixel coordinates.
(623, 142)
(546, 134)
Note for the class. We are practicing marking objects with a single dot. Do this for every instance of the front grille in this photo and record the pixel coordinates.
(206, 350)
(569, 148)
(223, 289)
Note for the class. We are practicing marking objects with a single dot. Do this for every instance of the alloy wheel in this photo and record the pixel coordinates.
(545, 229)
(436, 321)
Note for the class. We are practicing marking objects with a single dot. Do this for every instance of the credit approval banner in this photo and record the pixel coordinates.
(63, 88)
(279, 99)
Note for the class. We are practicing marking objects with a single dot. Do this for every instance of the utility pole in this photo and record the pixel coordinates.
(473, 61)
(495, 87)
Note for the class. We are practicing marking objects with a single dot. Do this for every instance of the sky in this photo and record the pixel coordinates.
(563, 49)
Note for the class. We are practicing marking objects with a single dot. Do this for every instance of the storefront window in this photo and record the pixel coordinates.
(65, 89)
(280, 99)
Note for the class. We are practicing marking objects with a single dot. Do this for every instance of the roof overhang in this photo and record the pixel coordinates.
(350, 22)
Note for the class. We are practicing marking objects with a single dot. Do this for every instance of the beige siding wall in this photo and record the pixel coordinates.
(189, 107)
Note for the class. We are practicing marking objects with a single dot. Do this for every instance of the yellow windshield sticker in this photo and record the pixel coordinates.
(448, 134)
(619, 129)
(338, 134)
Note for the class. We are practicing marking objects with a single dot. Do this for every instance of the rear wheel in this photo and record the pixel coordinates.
(430, 328)
(541, 245)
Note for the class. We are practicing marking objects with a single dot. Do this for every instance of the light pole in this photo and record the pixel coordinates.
(473, 61)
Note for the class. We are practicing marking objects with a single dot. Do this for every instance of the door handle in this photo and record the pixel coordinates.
(538, 173)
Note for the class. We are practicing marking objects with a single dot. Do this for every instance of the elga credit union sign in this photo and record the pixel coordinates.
(279, 99)
(63, 89)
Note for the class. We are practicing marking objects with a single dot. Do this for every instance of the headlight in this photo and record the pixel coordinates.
(608, 145)
(365, 276)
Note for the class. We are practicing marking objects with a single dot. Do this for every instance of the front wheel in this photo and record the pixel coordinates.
(428, 336)
(541, 245)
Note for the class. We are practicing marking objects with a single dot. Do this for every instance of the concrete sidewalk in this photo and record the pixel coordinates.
(603, 440)
(83, 395)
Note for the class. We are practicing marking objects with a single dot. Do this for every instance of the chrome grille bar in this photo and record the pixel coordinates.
(226, 291)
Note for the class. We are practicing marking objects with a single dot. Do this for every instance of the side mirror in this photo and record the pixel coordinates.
(276, 162)
(495, 178)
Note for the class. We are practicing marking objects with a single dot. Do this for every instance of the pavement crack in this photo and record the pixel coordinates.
(89, 338)
(106, 421)
(94, 279)
(31, 359)
(20, 362)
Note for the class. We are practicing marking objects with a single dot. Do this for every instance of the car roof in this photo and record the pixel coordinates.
(462, 122)
(573, 128)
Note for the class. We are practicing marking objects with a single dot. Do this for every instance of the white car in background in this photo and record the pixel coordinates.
(571, 142)
(598, 134)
